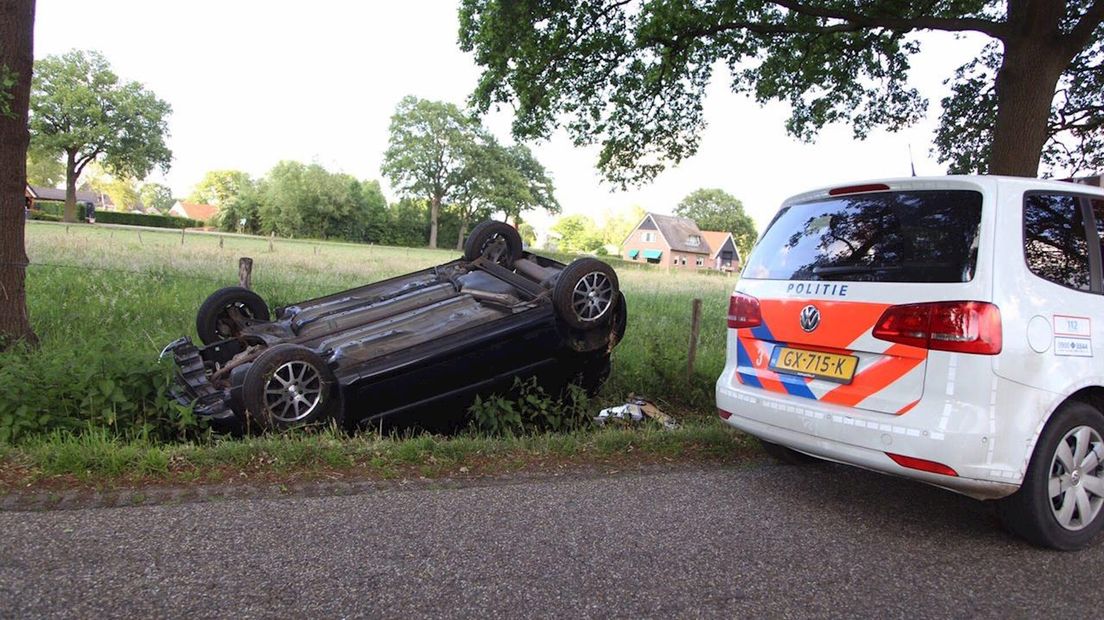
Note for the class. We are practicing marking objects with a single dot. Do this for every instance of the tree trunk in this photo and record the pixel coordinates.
(434, 211)
(463, 232)
(69, 214)
(1025, 86)
(16, 53)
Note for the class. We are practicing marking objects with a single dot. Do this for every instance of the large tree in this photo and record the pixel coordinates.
(631, 74)
(16, 61)
(425, 154)
(502, 179)
(157, 197)
(83, 112)
(716, 209)
(218, 187)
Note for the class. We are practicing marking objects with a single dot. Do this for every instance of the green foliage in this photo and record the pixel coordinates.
(529, 409)
(716, 209)
(55, 210)
(44, 169)
(632, 75)
(219, 187)
(156, 196)
(81, 109)
(297, 200)
(578, 233)
(438, 154)
(425, 156)
(123, 191)
(142, 219)
(42, 216)
(528, 234)
(92, 386)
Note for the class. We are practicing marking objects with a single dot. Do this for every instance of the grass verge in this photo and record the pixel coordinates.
(98, 460)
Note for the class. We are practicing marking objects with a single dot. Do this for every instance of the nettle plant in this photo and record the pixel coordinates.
(527, 408)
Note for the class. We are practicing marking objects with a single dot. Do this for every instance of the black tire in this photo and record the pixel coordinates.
(621, 320)
(785, 455)
(594, 375)
(1031, 512)
(305, 374)
(498, 242)
(586, 294)
(214, 321)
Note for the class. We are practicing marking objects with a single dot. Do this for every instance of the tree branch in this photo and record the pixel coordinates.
(996, 30)
(1079, 37)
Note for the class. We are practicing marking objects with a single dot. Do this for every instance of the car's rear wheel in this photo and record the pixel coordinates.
(586, 293)
(288, 386)
(1061, 501)
(498, 242)
(785, 455)
(225, 312)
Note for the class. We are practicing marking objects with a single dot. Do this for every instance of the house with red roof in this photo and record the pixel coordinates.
(195, 211)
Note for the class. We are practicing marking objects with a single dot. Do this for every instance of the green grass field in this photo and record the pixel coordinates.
(104, 301)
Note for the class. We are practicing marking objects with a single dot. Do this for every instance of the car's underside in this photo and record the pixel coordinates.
(411, 349)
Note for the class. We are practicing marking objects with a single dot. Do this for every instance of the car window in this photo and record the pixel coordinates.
(1054, 240)
(915, 236)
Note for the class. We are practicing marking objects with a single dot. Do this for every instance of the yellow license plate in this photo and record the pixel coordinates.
(830, 366)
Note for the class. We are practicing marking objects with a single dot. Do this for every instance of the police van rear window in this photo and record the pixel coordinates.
(918, 236)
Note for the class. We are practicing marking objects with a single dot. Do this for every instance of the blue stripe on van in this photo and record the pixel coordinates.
(744, 361)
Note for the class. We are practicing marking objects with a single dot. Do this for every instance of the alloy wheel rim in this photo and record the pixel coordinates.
(1075, 487)
(592, 297)
(293, 391)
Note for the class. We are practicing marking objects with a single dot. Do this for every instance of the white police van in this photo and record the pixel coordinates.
(945, 329)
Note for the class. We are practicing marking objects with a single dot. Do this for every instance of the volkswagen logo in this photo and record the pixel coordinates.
(810, 318)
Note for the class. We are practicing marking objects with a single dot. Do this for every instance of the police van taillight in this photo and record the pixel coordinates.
(959, 326)
(743, 311)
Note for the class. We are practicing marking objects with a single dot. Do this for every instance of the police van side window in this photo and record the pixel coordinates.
(1054, 240)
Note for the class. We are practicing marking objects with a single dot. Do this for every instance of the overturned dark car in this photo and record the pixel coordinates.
(411, 351)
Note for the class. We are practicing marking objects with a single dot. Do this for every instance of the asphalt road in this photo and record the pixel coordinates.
(768, 541)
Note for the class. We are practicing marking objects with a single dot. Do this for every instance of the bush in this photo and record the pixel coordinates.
(57, 209)
(91, 386)
(45, 217)
(141, 219)
(528, 408)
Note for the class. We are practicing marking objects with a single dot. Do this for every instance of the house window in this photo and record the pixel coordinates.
(693, 241)
(683, 260)
(648, 237)
(700, 261)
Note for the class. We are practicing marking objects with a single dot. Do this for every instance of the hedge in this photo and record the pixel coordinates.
(45, 217)
(120, 217)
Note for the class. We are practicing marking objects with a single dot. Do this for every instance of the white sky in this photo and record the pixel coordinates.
(253, 82)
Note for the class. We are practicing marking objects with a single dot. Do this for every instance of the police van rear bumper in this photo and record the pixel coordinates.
(866, 439)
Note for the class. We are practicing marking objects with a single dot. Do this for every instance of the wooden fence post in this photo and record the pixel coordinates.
(182, 235)
(270, 238)
(220, 242)
(245, 272)
(695, 328)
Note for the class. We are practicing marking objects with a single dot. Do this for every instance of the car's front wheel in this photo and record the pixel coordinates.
(289, 386)
(1061, 501)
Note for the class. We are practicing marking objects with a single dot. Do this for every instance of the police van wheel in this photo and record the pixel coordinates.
(1061, 502)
